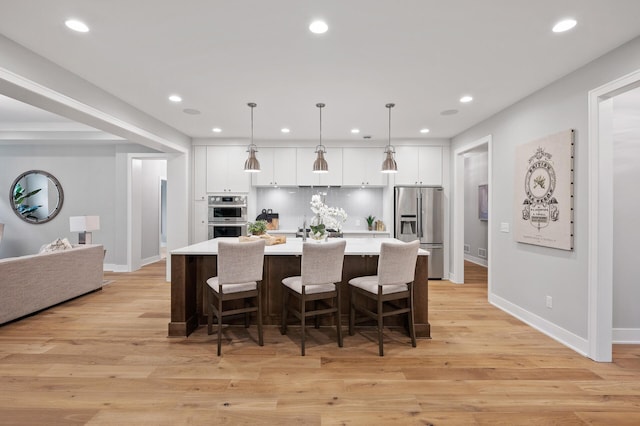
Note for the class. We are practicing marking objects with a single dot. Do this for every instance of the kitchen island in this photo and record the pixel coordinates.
(191, 266)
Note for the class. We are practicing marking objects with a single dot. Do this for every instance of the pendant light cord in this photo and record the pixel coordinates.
(389, 106)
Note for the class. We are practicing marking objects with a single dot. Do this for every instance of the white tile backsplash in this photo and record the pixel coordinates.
(292, 204)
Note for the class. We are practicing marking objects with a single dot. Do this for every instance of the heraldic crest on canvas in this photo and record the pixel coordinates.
(540, 207)
(544, 191)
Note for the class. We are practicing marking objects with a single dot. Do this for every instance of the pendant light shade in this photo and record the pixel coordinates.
(320, 164)
(252, 165)
(389, 165)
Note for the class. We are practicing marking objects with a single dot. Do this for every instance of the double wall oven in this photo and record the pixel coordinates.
(227, 215)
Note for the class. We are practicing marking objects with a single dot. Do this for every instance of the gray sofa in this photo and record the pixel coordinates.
(31, 283)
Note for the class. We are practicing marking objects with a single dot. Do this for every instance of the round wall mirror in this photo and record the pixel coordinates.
(36, 196)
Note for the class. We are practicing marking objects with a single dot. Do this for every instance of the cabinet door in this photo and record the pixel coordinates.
(284, 173)
(225, 169)
(200, 231)
(430, 161)
(216, 169)
(237, 179)
(334, 160)
(361, 167)
(373, 158)
(353, 164)
(199, 172)
(265, 176)
(408, 165)
(304, 167)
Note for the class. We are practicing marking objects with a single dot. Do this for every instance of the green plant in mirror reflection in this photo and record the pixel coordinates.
(19, 198)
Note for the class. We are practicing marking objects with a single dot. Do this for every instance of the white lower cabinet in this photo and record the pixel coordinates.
(200, 222)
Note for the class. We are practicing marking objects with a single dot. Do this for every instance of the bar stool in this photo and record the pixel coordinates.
(393, 284)
(319, 282)
(239, 278)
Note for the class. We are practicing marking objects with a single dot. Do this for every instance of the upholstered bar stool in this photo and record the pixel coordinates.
(391, 289)
(239, 278)
(318, 284)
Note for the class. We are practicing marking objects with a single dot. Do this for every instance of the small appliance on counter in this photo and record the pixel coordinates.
(273, 219)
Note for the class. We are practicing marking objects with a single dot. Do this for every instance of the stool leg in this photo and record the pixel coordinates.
(219, 323)
(338, 315)
(303, 307)
(260, 340)
(352, 310)
(380, 323)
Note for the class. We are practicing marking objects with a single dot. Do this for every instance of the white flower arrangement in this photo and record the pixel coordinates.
(325, 216)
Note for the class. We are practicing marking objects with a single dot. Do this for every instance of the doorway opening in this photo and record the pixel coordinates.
(601, 214)
(462, 185)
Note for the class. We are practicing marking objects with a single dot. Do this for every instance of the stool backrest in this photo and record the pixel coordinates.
(397, 262)
(322, 262)
(240, 262)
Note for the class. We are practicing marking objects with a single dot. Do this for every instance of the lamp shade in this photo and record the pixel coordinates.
(84, 223)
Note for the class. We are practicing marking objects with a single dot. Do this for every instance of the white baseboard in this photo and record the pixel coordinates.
(112, 267)
(557, 333)
(149, 260)
(477, 260)
(626, 336)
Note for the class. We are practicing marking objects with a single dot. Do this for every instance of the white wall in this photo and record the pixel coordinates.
(626, 206)
(475, 230)
(523, 275)
(85, 193)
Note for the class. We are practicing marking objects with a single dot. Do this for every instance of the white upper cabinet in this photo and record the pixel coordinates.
(419, 165)
(277, 167)
(304, 165)
(225, 169)
(199, 172)
(361, 167)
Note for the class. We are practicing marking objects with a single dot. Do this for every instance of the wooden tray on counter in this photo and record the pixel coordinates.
(270, 239)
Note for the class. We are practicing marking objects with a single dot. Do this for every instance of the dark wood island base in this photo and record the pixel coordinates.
(189, 273)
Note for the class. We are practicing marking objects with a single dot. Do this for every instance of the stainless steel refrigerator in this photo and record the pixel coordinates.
(419, 215)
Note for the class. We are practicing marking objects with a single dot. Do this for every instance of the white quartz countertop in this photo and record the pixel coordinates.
(293, 246)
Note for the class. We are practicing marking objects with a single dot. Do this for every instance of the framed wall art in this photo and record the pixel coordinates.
(544, 191)
(483, 202)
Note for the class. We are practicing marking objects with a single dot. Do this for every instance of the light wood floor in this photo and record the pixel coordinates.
(105, 359)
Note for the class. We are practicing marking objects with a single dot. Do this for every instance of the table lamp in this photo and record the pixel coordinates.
(84, 225)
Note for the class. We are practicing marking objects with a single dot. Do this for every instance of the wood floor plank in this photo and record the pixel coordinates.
(105, 359)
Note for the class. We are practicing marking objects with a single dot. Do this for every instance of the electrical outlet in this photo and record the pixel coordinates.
(549, 302)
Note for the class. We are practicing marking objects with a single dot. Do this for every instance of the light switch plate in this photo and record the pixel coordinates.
(504, 227)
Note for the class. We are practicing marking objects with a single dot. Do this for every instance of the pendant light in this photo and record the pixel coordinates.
(389, 165)
(252, 165)
(320, 165)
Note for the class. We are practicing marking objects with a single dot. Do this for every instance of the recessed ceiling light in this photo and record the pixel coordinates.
(318, 27)
(424, 130)
(564, 25)
(285, 130)
(175, 98)
(216, 130)
(76, 25)
(465, 99)
(355, 131)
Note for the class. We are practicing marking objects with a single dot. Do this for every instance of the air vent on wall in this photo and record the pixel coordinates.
(482, 253)
(467, 248)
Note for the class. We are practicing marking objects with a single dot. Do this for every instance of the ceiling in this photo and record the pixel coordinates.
(423, 55)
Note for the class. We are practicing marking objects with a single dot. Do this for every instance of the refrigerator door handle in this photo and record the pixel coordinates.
(420, 230)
